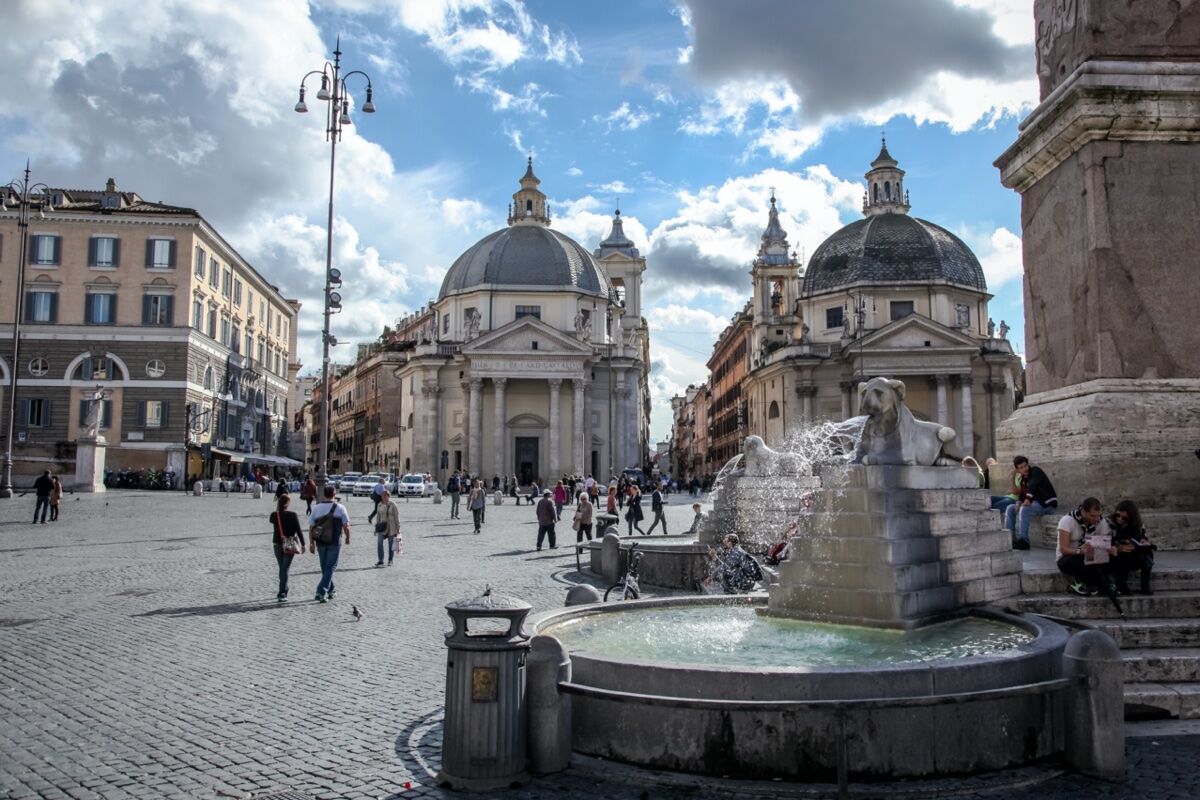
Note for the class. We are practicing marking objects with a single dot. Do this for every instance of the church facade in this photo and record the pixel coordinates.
(889, 295)
(536, 361)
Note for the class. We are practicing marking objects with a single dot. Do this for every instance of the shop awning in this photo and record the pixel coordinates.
(237, 457)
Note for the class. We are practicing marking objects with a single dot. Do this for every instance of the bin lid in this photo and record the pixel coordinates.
(489, 603)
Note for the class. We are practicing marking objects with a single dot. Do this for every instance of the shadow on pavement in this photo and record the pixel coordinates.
(219, 609)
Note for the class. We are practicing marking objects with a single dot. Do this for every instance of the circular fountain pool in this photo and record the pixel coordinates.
(738, 636)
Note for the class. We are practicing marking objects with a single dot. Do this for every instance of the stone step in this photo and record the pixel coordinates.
(1162, 665)
(1150, 633)
(900, 477)
(863, 550)
(1170, 531)
(899, 502)
(1181, 700)
(1166, 580)
(904, 526)
(1069, 606)
(876, 577)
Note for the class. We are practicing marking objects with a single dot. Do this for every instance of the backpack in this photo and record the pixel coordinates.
(325, 528)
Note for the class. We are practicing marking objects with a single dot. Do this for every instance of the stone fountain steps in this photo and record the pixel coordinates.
(1165, 579)
(907, 525)
(1177, 604)
(1148, 633)
(858, 500)
(1181, 700)
(1162, 665)
(1170, 531)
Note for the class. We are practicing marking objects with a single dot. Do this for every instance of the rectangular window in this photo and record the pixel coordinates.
(262, 312)
(236, 338)
(225, 330)
(160, 254)
(158, 309)
(249, 344)
(834, 317)
(201, 260)
(103, 251)
(36, 412)
(214, 273)
(226, 283)
(900, 309)
(46, 249)
(41, 307)
(445, 324)
(261, 351)
(152, 414)
(198, 315)
(105, 411)
(212, 322)
(249, 301)
(529, 311)
(237, 291)
(278, 323)
(100, 308)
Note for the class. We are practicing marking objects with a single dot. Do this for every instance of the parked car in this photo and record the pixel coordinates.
(366, 484)
(413, 485)
(347, 481)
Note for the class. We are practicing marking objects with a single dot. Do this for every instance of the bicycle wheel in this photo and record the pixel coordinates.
(632, 594)
(619, 587)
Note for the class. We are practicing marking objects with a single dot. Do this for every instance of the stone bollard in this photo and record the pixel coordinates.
(497, 498)
(198, 488)
(549, 709)
(582, 594)
(1094, 705)
(257, 491)
(610, 557)
(437, 497)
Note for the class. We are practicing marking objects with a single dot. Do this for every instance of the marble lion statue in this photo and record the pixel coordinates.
(761, 461)
(892, 435)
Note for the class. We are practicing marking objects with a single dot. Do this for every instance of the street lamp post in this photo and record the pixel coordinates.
(21, 195)
(337, 115)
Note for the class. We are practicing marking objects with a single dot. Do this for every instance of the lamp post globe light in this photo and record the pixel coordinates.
(23, 196)
(334, 93)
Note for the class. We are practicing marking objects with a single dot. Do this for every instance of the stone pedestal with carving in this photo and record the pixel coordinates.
(89, 463)
(1103, 166)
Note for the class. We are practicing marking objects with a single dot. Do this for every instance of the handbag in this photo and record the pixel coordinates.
(292, 544)
(381, 527)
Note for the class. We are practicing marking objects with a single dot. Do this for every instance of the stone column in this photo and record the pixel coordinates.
(475, 428)
(577, 426)
(555, 421)
(996, 391)
(966, 432)
(633, 430)
(499, 432)
(943, 415)
(620, 423)
(806, 395)
(430, 392)
(847, 387)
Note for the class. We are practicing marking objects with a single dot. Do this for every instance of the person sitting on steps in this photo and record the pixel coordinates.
(1134, 549)
(1036, 498)
(1076, 552)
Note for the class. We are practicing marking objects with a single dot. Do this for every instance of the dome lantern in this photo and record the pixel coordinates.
(885, 186)
(529, 203)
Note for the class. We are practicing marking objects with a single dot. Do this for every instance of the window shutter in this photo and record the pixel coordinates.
(46, 418)
(57, 249)
(83, 409)
(141, 413)
(112, 310)
(29, 306)
(106, 414)
(165, 407)
(92, 247)
(85, 369)
(23, 412)
(170, 301)
(116, 252)
(145, 309)
(54, 306)
(89, 301)
(149, 253)
(171, 255)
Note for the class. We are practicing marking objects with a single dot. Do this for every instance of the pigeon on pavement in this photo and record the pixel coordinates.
(358, 615)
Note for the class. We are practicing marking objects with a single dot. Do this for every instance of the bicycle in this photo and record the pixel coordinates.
(629, 586)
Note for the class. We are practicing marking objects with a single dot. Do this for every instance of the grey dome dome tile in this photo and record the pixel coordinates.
(525, 255)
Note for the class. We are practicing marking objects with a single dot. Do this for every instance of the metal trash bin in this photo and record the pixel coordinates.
(483, 736)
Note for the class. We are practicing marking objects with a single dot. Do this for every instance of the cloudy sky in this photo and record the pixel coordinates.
(688, 111)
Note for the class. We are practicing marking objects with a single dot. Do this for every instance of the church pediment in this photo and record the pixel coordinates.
(915, 332)
(519, 336)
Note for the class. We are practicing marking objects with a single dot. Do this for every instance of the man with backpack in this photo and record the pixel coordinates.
(329, 525)
(454, 487)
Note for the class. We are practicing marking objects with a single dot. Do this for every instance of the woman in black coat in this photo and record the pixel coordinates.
(284, 523)
(633, 514)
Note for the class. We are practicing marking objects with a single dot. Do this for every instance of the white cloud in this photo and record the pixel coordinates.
(574, 172)
(625, 118)
(1000, 256)
(680, 319)
(528, 100)
(612, 187)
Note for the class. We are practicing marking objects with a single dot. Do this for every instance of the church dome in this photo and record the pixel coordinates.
(525, 256)
(892, 248)
(889, 246)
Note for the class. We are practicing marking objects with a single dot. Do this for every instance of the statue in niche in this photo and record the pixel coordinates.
(804, 333)
(635, 341)
(991, 328)
(91, 423)
(1003, 329)
(845, 325)
(474, 320)
(583, 327)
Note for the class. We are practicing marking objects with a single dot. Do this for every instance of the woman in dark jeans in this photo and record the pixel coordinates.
(284, 523)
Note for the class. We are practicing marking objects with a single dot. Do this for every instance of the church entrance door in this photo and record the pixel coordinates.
(527, 459)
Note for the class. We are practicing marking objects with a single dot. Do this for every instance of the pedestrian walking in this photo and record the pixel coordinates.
(656, 505)
(560, 500)
(55, 498)
(329, 528)
(583, 518)
(387, 528)
(477, 502)
(376, 498)
(288, 539)
(633, 514)
(454, 488)
(546, 519)
(281, 488)
(611, 508)
(308, 493)
(43, 486)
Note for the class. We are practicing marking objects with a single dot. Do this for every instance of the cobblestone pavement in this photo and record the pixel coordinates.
(142, 654)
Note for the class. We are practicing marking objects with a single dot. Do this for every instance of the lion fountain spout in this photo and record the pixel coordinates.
(892, 435)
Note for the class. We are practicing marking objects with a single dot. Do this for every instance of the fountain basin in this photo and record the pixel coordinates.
(898, 717)
(671, 562)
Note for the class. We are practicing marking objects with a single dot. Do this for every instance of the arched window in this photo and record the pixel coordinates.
(528, 206)
(876, 188)
(208, 379)
(887, 190)
(773, 410)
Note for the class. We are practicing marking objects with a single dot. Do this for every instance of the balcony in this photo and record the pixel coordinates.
(447, 350)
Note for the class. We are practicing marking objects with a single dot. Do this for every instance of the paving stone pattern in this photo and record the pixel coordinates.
(142, 655)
